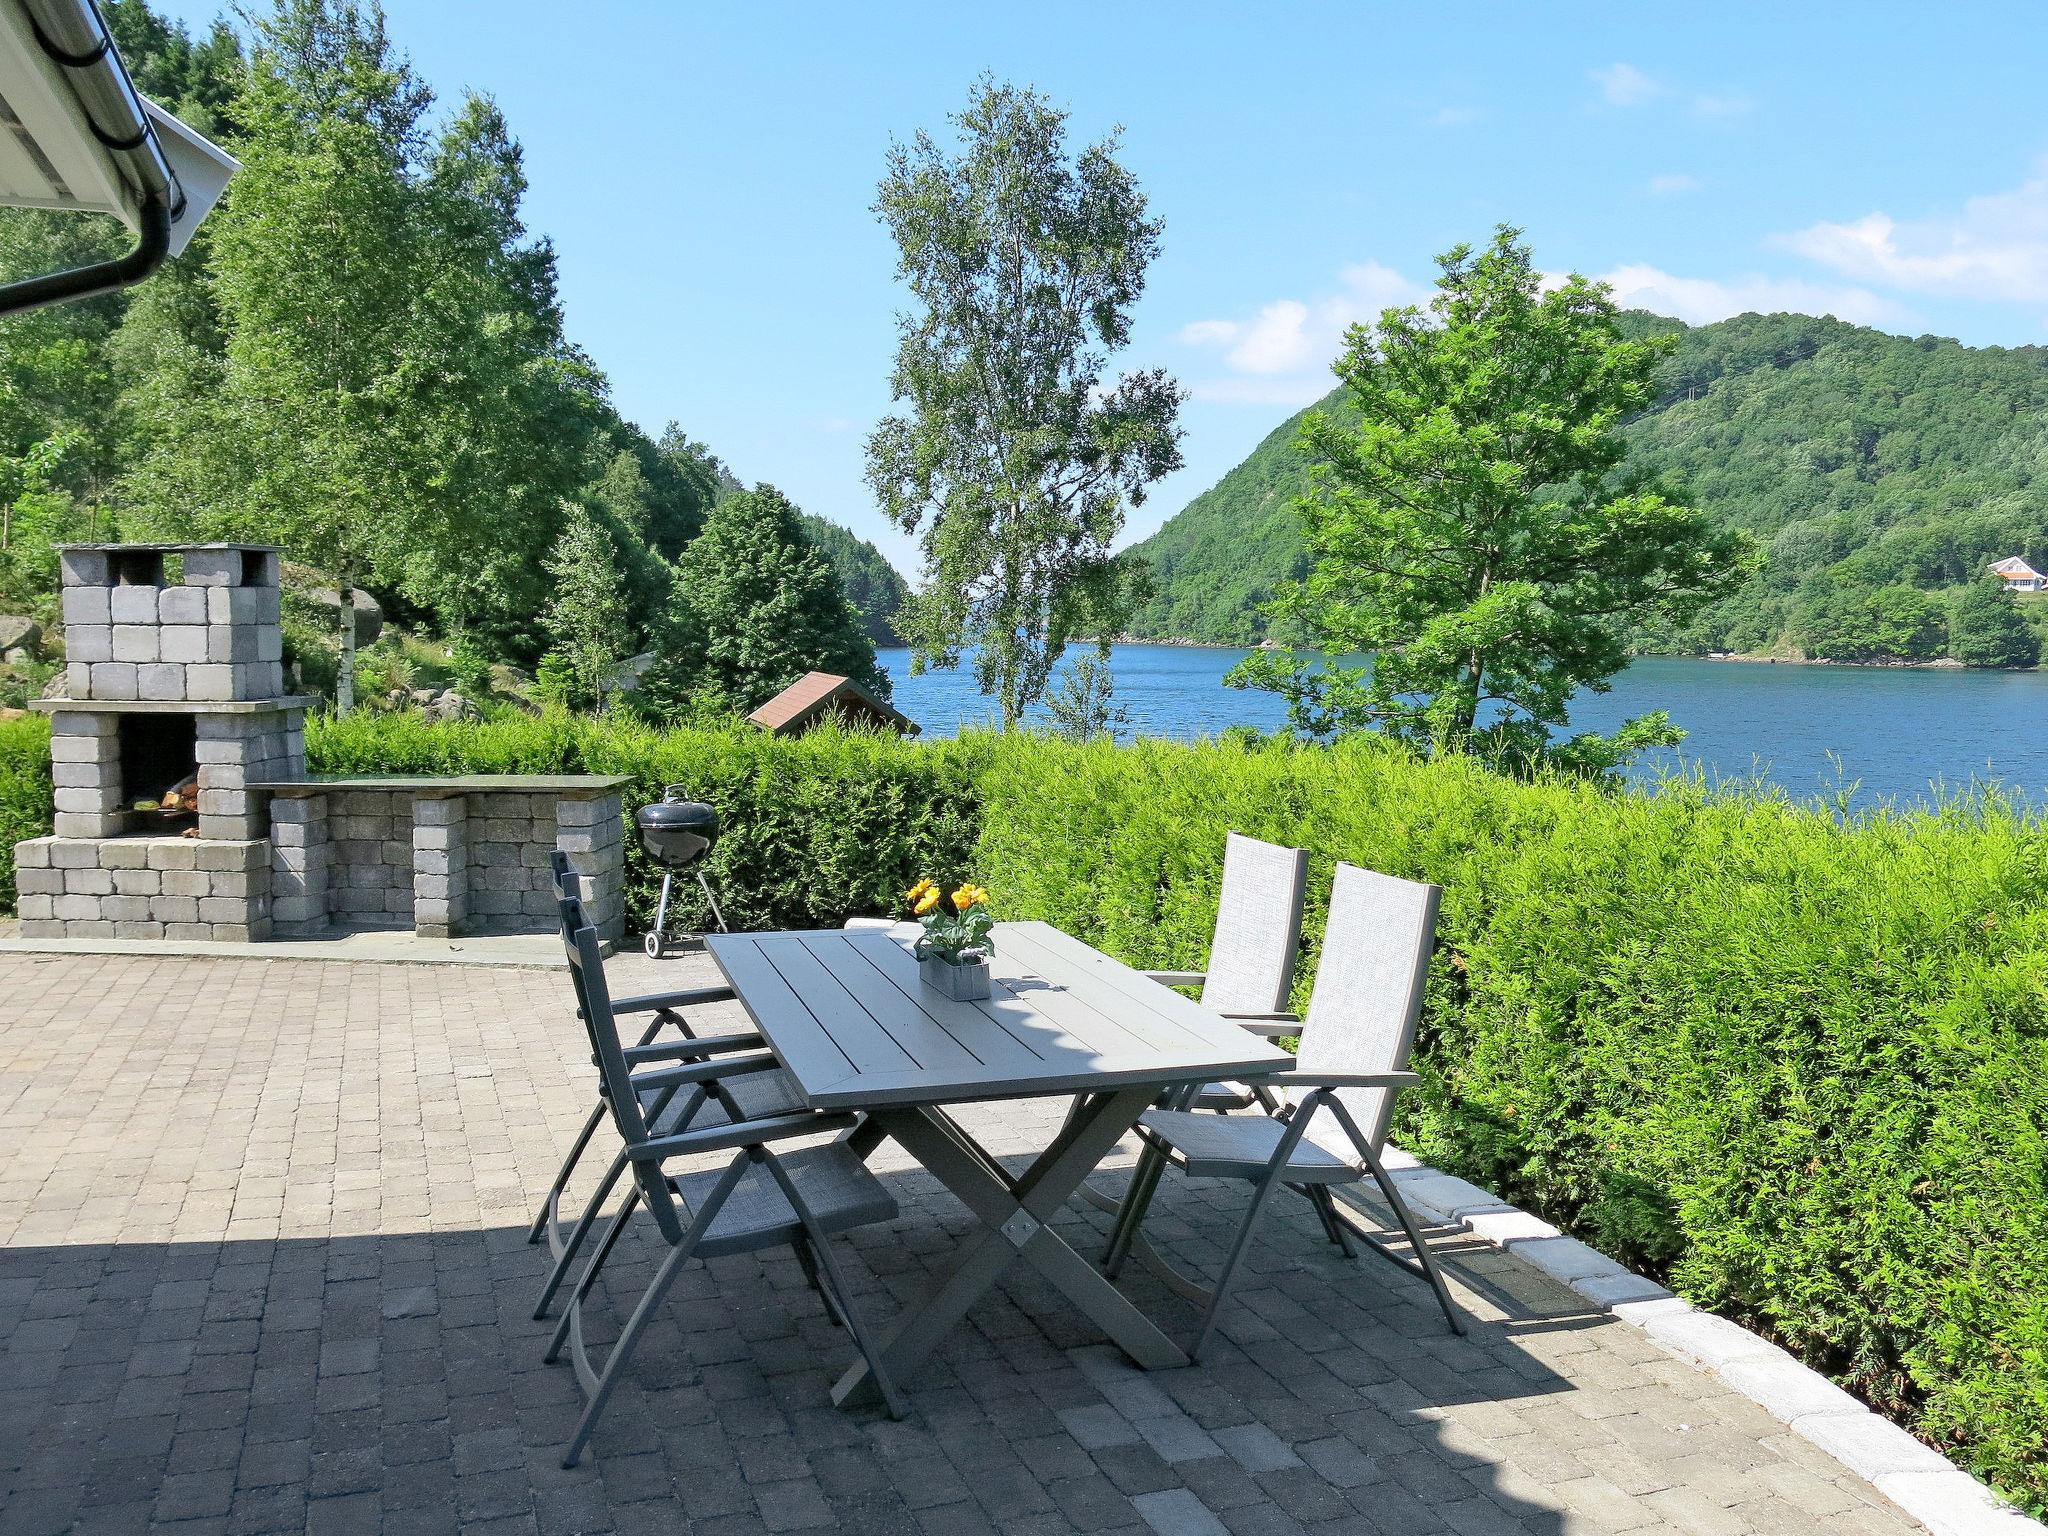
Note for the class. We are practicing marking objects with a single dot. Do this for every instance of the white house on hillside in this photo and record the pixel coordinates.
(2019, 576)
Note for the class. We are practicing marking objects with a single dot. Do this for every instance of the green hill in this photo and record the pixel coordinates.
(867, 578)
(1882, 473)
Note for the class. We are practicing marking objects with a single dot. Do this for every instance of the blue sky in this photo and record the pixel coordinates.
(706, 173)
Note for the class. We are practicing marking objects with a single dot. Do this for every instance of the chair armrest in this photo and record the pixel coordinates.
(1290, 1078)
(1176, 978)
(1278, 1028)
(704, 1071)
(688, 997)
(752, 1133)
(692, 1048)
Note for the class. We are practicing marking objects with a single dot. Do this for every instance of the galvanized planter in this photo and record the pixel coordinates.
(965, 981)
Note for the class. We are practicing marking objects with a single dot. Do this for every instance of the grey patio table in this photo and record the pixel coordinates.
(845, 1012)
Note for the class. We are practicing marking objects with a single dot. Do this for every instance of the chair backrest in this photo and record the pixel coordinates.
(1368, 992)
(1258, 927)
(586, 966)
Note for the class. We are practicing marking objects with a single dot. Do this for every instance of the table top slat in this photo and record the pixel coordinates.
(856, 1028)
(998, 1033)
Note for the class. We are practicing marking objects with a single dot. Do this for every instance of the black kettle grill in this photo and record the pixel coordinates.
(677, 834)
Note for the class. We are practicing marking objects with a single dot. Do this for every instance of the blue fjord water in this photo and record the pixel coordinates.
(1894, 732)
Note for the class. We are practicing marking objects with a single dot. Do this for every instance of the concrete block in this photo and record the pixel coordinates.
(245, 606)
(439, 812)
(160, 680)
(224, 802)
(34, 853)
(188, 932)
(431, 887)
(223, 909)
(219, 608)
(233, 855)
(77, 680)
(124, 909)
(239, 883)
(1785, 1389)
(88, 824)
(38, 882)
(130, 929)
(127, 853)
(182, 642)
(213, 567)
(231, 829)
(298, 810)
(1707, 1340)
(269, 644)
(269, 604)
(186, 882)
(538, 903)
(1953, 1503)
(89, 928)
(73, 853)
(92, 881)
(88, 775)
(132, 605)
(210, 682)
(103, 800)
(241, 933)
(71, 907)
(173, 853)
(176, 909)
(1608, 1290)
(221, 776)
(587, 813)
(112, 680)
(87, 605)
(298, 909)
(88, 642)
(82, 567)
(184, 606)
(32, 908)
(75, 723)
(1565, 1258)
(1867, 1445)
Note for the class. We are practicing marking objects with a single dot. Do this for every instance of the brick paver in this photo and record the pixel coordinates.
(263, 1268)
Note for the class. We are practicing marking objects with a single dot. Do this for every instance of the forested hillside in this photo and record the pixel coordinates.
(362, 357)
(1881, 473)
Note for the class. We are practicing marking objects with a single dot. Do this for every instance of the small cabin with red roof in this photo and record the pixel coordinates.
(818, 696)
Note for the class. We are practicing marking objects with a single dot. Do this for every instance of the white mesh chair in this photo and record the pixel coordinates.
(1337, 1099)
(1252, 952)
(741, 1092)
(763, 1198)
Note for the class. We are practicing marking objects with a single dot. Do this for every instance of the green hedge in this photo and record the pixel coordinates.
(817, 828)
(25, 806)
(1798, 1067)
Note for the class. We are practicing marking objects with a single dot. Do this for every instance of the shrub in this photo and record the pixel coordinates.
(25, 797)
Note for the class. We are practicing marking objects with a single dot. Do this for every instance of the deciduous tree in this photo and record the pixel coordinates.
(1471, 532)
(1013, 456)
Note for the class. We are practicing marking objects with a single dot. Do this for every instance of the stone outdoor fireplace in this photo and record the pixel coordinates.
(183, 807)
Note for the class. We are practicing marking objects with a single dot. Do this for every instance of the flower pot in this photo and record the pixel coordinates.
(964, 980)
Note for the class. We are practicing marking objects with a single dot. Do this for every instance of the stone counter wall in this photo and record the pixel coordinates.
(162, 887)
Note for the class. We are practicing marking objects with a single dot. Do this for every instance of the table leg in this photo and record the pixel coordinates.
(1014, 1220)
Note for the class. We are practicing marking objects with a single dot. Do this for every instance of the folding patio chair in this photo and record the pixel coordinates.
(763, 1198)
(725, 1098)
(1251, 952)
(1331, 1125)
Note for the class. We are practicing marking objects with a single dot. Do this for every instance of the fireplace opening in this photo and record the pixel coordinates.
(160, 770)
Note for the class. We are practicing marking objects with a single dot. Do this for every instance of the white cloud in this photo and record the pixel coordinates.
(1455, 117)
(1281, 354)
(1623, 85)
(1673, 183)
(1995, 248)
(1697, 300)
(1709, 104)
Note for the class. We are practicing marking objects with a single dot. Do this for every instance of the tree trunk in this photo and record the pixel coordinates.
(345, 684)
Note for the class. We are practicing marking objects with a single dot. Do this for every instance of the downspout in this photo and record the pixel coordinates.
(72, 36)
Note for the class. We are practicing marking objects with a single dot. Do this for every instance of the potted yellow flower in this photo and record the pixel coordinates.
(953, 954)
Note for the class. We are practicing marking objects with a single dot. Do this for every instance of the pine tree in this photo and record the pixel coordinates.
(586, 614)
(756, 606)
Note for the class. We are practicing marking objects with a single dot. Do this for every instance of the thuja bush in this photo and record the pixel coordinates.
(1797, 1066)
(817, 828)
(25, 796)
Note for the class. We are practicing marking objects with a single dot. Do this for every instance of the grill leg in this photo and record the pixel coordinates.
(717, 916)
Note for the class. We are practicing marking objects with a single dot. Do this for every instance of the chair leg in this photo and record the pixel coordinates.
(567, 1256)
(821, 1250)
(1401, 1214)
(1137, 1200)
(1326, 1207)
(621, 1352)
(1261, 1193)
(549, 1206)
(612, 1233)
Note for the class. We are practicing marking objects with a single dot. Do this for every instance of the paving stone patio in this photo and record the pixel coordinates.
(263, 1268)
